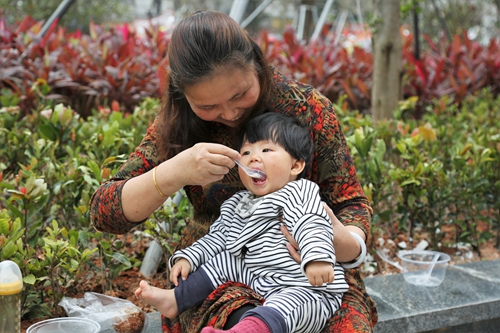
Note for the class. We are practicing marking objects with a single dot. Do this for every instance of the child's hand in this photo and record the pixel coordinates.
(182, 267)
(319, 272)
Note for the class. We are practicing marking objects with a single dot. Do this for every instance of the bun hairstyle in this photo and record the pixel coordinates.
(200, 45)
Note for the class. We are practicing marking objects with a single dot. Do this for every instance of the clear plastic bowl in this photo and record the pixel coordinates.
(65, 325)
(424, 268)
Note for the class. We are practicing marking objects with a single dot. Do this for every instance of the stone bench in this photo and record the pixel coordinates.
(468, 300)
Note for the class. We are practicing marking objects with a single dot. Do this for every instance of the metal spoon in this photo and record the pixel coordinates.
(251, 172)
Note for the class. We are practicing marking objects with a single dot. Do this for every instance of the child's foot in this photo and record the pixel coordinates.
(162, 299)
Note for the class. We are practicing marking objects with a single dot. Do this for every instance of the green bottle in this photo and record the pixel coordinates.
(11, 285)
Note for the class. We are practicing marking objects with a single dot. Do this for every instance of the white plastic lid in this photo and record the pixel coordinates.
(11, 279)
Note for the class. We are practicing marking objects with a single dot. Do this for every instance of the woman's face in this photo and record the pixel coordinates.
(225, 97)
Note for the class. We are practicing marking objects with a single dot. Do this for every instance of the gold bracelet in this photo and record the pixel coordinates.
(156, 184)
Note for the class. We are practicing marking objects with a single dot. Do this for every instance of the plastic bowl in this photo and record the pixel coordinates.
(424, 268)
(65, 325)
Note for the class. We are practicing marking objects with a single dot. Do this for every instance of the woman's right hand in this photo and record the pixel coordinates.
(203, 163)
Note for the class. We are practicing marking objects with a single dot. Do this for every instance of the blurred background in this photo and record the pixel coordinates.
(350, 19)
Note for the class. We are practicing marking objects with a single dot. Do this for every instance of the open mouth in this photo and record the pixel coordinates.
(259, 181)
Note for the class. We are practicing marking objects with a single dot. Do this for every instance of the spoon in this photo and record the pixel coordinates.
(428, 271)
(385, 257)
(251, 172)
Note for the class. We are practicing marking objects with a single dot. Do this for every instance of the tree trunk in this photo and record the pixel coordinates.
(387, 54)
(497, 4)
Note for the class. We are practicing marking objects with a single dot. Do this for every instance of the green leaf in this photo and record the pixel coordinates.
(55, 227)
(8, 250)
(6, 185)
(385, 215)
(90, 180)
(74, 263)
(15, 234)
(105, 245)
(72, 251)
(411, 200)
(410, 181)
(94, 167)
(52, 243)
(83, 237)
(121, 258)
(4, 226)
(87, 253)
(116, 117)
(359, 137)
(109, 160)
(366, 146)
(380, 149)
(66, 116)
(38, 311)
(48, 132)
(418, 170)
(20, 247)
(30, 279)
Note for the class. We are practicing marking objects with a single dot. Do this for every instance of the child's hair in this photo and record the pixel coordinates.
(283, 130)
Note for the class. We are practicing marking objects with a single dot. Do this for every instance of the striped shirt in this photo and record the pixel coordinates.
(249, 227)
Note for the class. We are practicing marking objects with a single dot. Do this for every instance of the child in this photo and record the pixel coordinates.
(246, 245)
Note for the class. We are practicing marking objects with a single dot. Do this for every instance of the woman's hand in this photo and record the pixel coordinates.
(292, 245)
(199, 165)
(203, 163)
(346, 246)
(182, 267)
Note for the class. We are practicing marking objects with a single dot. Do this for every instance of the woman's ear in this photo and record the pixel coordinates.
(297, 167)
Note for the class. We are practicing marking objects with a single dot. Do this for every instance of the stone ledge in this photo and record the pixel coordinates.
(469, 297)
(467, 301)
(154, 323)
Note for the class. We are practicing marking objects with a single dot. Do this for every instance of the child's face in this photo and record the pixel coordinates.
(279, 166)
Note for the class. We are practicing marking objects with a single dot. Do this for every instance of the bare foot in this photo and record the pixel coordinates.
(162, 299)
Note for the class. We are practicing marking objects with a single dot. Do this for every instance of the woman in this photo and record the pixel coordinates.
(218, 80)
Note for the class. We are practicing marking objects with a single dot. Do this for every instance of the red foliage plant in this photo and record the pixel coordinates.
(334, 70)
(454, 69)
(87, 71)
(84, 71)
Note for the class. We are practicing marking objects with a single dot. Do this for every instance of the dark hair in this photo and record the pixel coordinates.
(284, 130)
(201, 44)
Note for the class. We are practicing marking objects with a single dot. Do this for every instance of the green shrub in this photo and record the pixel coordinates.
(438, 172)
(50, 164)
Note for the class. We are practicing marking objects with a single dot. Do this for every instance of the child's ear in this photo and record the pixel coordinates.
(297, 167)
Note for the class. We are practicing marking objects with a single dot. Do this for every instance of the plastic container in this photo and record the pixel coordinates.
(424, 268)
(11, 285)
(65, 325)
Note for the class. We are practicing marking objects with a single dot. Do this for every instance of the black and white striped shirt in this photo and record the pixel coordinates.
(249, 228)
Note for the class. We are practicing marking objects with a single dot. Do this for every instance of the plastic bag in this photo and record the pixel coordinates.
(112, 313)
